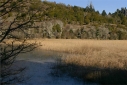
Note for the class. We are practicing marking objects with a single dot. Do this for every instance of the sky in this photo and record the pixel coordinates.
(100, 5)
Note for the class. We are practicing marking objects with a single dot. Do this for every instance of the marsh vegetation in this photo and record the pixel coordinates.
(98, 61)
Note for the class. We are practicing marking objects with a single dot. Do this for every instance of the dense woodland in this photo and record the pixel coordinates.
(82, 16)
(57, 20)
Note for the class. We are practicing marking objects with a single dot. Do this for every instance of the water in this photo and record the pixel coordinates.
(38, 70)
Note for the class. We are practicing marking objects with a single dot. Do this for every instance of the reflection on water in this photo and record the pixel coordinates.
(39, 55)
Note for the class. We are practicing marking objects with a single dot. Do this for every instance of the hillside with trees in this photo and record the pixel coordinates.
(57, 20)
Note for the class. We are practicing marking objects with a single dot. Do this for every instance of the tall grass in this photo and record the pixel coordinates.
(100, 53)
(100, 61)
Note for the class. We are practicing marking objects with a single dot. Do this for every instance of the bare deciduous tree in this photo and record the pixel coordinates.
(16, 17)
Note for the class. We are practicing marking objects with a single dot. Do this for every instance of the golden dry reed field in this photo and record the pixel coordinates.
(99, 61)
(99, 53)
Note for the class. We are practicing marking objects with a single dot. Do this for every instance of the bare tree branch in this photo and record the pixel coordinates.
(22, 18)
